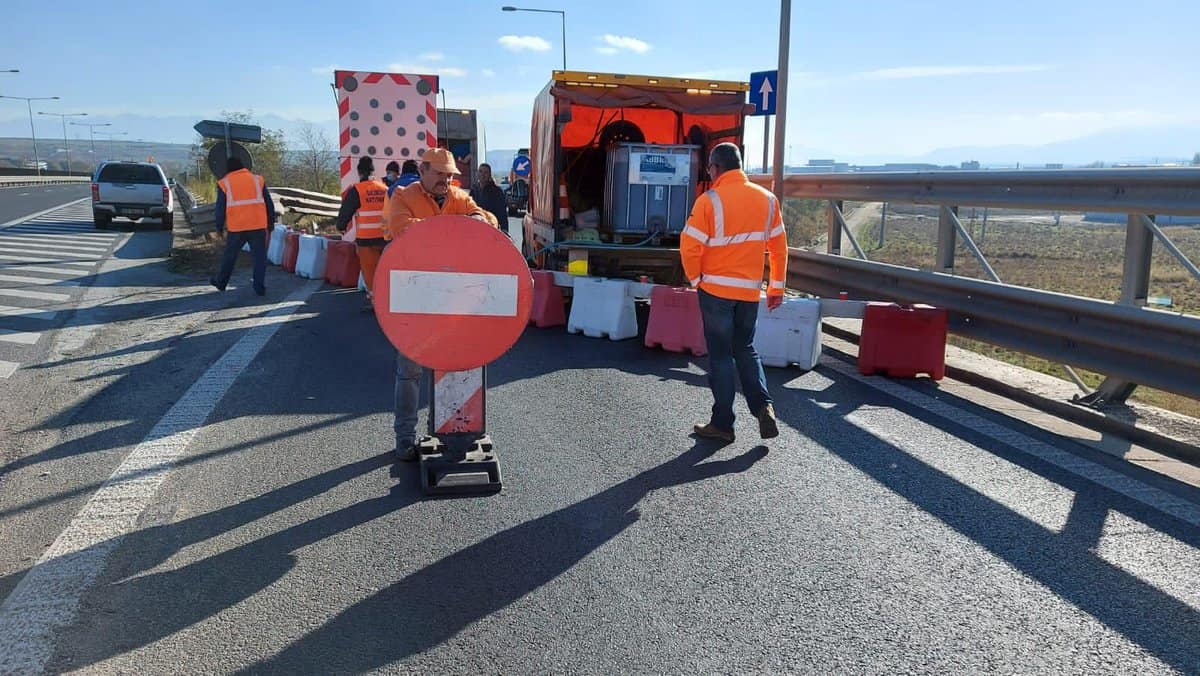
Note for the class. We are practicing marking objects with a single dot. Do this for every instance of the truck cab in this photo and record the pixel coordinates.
(617, 161)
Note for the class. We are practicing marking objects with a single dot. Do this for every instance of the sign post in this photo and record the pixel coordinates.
(453, 295)
(763, 85)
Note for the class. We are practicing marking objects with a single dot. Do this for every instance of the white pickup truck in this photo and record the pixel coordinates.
(133, 190)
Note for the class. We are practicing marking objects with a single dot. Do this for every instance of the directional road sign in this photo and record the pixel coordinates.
(763, 86)
(452, 293)
(247, 133)
(521, 166)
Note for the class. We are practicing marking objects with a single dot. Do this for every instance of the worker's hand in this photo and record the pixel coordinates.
(774, 302)
(480, 217)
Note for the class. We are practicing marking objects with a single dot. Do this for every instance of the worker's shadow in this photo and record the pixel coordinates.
(433, 604)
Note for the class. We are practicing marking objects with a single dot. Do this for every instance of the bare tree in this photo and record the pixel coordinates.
(316, 160)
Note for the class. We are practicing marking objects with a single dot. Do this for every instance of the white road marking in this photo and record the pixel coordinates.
(26, 259)
(34, 295)
(47, 598)
(19, 337)
(42, 243)
(30, 312)
(36, 250)
(7, 368)
(39, 214)
(37, 268)
(1077, 465)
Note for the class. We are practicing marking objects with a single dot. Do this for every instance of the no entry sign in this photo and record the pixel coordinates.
(452, 293)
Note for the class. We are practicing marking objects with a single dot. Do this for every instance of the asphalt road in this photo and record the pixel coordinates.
(886, 530)
(23, 201)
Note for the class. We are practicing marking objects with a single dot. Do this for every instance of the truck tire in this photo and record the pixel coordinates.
(101, 220)
(168, 221)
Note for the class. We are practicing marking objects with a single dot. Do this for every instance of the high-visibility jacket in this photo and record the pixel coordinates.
(411, 204)
(730, 229)
(368, 222)
(245, 208)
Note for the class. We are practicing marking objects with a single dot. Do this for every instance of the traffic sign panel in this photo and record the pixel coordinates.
(452, 293)
(521, 166)
(247, 133)
(763, 86)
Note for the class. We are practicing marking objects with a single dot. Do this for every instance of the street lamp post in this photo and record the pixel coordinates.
(32, 134)
(92, 131)
(66, 143)
(112, 135)
(561, 13)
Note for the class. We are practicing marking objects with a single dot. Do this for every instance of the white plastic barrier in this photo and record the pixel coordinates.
(275, 247)
(602, 307)
(789, 335)
(310, 262)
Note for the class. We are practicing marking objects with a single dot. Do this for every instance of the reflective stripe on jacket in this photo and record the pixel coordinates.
(368, 222)
(730, 229)
(245, 208)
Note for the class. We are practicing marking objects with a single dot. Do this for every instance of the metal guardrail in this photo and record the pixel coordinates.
(14, 181)
(201, 219)
(1126, 341)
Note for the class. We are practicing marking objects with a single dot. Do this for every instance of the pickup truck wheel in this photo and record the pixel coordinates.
(168, 221)
(101, 220)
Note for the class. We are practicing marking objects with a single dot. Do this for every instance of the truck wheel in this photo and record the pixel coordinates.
(101, 220)
(168, 221)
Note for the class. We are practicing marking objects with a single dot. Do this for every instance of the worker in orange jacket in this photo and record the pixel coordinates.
(245, 211)
(432, 195)
(363, 203)
(731, 227)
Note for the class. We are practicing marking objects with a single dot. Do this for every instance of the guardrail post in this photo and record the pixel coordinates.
(947, 239)
(833, 244)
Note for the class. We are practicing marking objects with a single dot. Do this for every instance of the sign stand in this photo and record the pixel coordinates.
(458, 456)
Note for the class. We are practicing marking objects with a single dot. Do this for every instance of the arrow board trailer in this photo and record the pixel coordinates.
(386, 116)
(619, 160)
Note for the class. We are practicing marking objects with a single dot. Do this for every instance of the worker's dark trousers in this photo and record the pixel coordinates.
(234, 241)
(729, 331)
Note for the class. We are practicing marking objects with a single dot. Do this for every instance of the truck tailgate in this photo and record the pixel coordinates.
(131, 193)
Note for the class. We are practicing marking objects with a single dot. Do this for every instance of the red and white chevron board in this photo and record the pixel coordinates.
(458, 402)
(387, 116)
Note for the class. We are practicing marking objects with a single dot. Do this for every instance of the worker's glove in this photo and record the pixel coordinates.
(774, 302)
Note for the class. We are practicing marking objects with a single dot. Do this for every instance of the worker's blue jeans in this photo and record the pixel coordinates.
(729, 331)
(408, 400)
(234, 241)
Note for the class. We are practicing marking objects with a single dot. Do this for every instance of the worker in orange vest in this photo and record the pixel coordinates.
(244, 209)
(363, 204)
(731, 227)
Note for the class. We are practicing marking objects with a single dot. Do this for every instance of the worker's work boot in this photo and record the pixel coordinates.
(406, 451)
(768, 426)
(710, 431)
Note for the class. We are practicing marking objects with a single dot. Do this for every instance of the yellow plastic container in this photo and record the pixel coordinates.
(578, 268)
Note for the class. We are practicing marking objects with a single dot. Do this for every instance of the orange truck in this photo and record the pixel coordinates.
(617, 161)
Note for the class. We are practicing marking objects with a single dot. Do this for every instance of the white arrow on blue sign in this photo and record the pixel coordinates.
(521, 166)
(763, 86)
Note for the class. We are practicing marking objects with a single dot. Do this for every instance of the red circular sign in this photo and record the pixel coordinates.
(452, 293)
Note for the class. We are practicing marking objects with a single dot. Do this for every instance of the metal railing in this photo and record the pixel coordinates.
(201, 220)
(1125, 341)
(13, 181)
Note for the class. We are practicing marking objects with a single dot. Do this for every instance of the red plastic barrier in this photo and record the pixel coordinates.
(291, 250)
(675, 323)
(341, 264)
(902, 342)
(549, 307)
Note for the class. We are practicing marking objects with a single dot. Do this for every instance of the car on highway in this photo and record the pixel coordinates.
(132, 190)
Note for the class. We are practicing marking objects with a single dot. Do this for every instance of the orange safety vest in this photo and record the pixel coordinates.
(244, 205)
(368, 222)
(731, 227)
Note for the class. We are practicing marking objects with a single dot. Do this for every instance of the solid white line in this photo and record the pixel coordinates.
(34, 295)
(7, 368)
(20, 337)
(30, 217)
(47, 598)
(17, 267)
(28, 312)
(17, 279)
(1077, 465)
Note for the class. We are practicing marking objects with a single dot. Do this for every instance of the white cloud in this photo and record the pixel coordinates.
(426, 69)
(488, 72)
(619, 42)
(432, 56)
(517, 43)
(913, 72)
(608, 51)
(325, 70)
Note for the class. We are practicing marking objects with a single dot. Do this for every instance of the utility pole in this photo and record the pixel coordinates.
(785, 21)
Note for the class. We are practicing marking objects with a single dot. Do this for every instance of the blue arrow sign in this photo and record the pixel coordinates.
(763, 86)
(521, 166)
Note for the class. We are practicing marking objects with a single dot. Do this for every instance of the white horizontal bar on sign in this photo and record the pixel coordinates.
(452, 293)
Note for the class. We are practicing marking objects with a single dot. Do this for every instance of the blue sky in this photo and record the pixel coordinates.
(873, 79)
